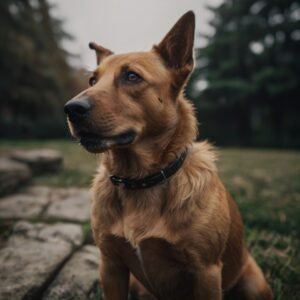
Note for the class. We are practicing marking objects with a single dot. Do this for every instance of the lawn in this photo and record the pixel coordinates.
(265, 184)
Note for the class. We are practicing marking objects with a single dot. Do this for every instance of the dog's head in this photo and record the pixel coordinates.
(132, 96)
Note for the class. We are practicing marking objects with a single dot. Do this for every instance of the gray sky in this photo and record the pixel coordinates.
(124, 25)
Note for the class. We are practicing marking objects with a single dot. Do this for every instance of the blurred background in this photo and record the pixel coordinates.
(246, 81)
(245, 86)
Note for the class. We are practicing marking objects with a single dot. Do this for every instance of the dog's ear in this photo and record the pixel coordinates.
(101, 52)
(176, 48)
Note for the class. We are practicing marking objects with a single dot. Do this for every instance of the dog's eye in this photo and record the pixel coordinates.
(92, 80)
(133, 77)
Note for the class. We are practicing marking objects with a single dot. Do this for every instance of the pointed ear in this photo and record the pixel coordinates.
(176, 48)
(101, 52)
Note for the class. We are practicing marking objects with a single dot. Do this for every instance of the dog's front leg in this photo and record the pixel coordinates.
(174, 277)
(209, 283)
(114, 278)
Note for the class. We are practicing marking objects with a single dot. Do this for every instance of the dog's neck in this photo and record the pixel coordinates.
(155, 153)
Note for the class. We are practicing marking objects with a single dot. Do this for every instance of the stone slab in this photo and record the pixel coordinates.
(32, 255)
(39, 160)
(69, 205)
(12, 175)
(26, 205)
(77, 278)
(46, 203)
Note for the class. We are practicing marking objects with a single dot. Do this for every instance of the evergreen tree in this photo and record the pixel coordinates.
(35, 76)
(252, 68)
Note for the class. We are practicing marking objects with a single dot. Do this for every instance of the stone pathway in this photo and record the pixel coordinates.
(45, 248)
(47, 204)
(19, 166)
(12, 175)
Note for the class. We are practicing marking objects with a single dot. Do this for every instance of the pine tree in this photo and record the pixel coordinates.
(252, 68)
(35, 76)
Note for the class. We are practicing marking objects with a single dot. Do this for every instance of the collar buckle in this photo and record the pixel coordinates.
(116, 180)
(164, 176)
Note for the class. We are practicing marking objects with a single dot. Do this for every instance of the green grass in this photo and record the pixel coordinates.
(264, 183)
(266, 186)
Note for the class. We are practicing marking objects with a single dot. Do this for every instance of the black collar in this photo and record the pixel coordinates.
(153, 179)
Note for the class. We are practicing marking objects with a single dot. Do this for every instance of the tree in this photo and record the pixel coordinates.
(35, 76)
(252, 68)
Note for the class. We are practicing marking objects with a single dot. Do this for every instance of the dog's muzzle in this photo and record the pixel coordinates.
(78, 109)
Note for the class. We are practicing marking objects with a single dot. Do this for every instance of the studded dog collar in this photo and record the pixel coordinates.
(150, 180)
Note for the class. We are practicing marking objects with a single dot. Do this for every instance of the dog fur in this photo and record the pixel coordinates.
(182, 239)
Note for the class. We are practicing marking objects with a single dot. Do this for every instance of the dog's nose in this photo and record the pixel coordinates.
(77, 109)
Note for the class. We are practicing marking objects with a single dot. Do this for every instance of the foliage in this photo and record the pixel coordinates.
(251, 66)
(35, 78)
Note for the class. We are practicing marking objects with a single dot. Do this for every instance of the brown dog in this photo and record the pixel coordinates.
(164, 215)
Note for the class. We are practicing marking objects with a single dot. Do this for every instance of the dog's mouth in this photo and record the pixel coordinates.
(98, 143)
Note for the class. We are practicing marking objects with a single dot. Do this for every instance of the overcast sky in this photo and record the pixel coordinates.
(124, 25)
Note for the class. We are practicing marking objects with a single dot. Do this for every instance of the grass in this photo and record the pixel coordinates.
(265, 184)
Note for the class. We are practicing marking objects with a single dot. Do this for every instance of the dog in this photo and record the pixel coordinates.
(159, 209)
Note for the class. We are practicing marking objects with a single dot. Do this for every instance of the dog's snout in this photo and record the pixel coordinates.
(77, 109)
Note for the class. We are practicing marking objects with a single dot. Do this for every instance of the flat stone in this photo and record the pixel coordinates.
(32, 255)
(45, 203)
(22, 206)
(26, 205)
(69, 205)
(39, 190)
(12, 175)
(40, 160)
(77, 278)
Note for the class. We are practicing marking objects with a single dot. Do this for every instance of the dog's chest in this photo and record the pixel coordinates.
(135, 227)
